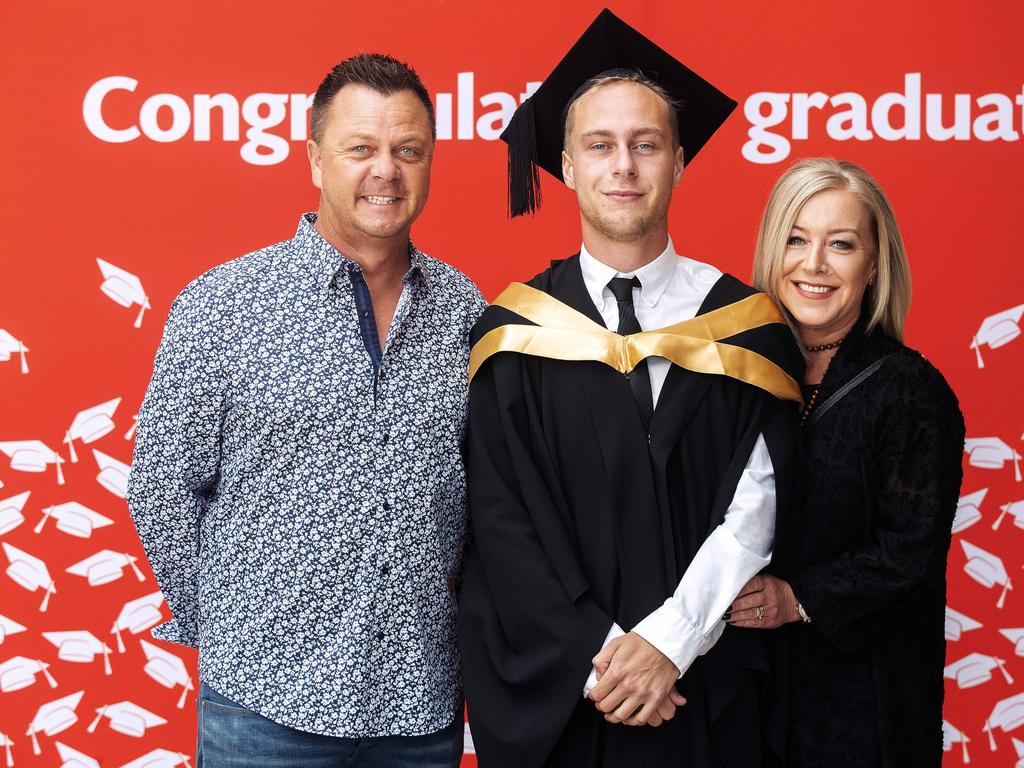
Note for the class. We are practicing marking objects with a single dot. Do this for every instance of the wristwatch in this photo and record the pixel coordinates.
(803, 614)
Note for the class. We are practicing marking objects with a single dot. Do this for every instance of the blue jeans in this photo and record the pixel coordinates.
(231, 736)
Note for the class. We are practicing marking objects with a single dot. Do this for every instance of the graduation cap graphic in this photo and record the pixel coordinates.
(29, 572)
(986, 569)
(18, 672)
(975, 669)
(952, 735)
(54, 717)
(167, 669)
(137, 616)
(73, 519)
(80, 647)
(1015, 509)
(992, 453)
(10, 346)
(997, 330)
(127, 718)
(124, 288)
(113, 474)
(32, 456)
(131, 430)
(1016, 636)
(90, 425)
(159, 758)
(9, 627)
(72, 758)
(11, 512)
(1007, 715)
(968, 510)
(105, 566)
(1018, 747)
(5, 740)
(958, 623)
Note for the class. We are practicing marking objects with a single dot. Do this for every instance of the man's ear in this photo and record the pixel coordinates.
(678, 163)
(315, 171)
(567, 171)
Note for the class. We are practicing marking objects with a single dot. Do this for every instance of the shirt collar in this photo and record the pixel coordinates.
(654, 276)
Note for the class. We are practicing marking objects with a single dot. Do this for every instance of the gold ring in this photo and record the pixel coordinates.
(759, 613)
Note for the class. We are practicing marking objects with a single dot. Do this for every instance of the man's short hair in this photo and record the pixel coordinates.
(621, 76)
(376, 71)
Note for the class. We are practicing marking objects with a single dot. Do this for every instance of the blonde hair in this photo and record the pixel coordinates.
(889, 298)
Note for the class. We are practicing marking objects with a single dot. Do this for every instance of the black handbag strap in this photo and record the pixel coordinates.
(844, 390)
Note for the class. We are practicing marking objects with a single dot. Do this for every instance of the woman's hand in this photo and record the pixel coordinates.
(775, 599)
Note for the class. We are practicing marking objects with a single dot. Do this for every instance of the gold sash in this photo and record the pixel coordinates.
(562, 333)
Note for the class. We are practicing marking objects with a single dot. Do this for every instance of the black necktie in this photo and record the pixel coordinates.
(639, 377)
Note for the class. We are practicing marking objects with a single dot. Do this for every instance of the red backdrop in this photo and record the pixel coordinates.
(140, 179)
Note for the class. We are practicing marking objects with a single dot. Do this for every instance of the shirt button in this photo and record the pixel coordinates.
(384, 440)
(386, 570)
(380, 635)
(386, 506)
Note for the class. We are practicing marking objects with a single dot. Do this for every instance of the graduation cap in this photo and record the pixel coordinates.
(90, 425)
(54, 717)
(1015, 636)
(997, 330)
(124, 288)
(986, 569)
(975, 669)
(958, 623)
(127, 718)
(113, 474)
(991, 453)
(968, 510)
(608, 46)
(105, 566)
(18, 672)
(29, 572)
(131, 430)
(10, 346)
(74, 519)
(1007, 715)
(11, 512)
(167, 669)
(9, 627)
(1014, 509)
(952, 735)
(72, 758)
(32, 456)
(137, 616)
(159, 758)
(80, 647)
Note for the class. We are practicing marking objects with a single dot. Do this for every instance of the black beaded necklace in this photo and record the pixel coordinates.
(813, 399)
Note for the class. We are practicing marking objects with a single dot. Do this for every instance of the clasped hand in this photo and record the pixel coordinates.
(636, 683)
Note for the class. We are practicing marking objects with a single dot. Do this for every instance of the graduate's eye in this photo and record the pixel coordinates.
(408, 152)
(842, 245)
(795, 240)
(645, 146)
(362, 149)
(599, 146)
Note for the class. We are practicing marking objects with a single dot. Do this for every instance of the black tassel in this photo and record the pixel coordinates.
(523, 175)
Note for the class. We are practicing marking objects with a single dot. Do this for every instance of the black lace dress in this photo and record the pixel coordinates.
(882, 472)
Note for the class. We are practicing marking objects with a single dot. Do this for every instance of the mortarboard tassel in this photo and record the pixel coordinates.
(963, 748)
(184, 693)
(47, 675)
(131, 561)
(523, 176)
(46, 516)
(24, 362)
(1002, 595)
(7, 750)
(46, 598)
(96, 721)
(106, 661)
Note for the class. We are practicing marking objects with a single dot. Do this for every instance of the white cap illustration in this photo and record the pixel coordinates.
(5, 740)
(72, 758)
(952, 735)
(113, 474)
(73, 519)
(1007, 715)
(9, 627)
(137, 616)
(1016, 636)
(80, 647)
(1018, 747)
(468, 747)
(991, 453)
(54, 717)
(1015, 509)
(29, 572)
(986, 569)
(975, 669)
(124, 288)
(958, 623)
(105, 566)
(10, 346)
(32, 456)
(90, 425)
(18, 672)
(968, 510)
(159, 758)
(131, 430)
(11, 512)
(997, 330)
(167, 669)
(127, 718)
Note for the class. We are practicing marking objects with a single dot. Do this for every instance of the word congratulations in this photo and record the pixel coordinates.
(891, 117)
(167, 117)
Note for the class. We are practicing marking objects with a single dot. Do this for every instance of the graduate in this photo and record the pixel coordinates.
(630, 454)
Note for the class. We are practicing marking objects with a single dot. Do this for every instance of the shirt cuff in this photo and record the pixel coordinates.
(672, 634)
(176, 631)
(615, 631)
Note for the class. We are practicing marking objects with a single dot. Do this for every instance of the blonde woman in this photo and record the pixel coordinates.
(883, 437)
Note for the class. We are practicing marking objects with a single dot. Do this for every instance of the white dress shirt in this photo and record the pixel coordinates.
(689, 623)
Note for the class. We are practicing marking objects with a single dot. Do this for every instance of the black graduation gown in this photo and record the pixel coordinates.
(577, 520)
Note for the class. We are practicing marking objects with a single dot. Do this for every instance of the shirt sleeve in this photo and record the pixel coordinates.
(615, 631)
(176, 459)
(689, 623)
